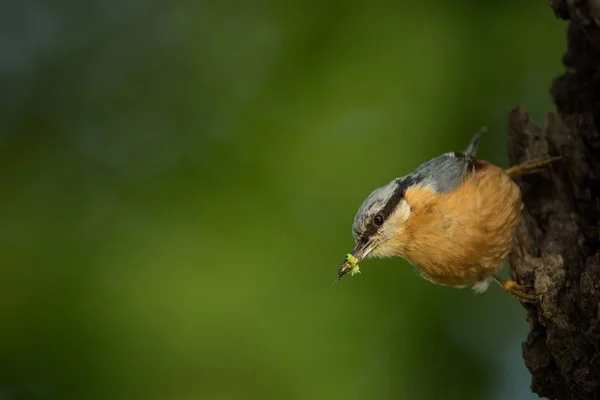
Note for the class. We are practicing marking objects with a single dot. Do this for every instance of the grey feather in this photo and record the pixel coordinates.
(446, 172)
(474, 144)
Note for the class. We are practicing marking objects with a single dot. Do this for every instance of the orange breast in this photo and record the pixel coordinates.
(462, 237)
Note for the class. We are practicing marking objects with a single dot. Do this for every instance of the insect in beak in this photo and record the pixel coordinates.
(350, 264)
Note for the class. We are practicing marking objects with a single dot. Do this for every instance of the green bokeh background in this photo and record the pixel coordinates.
(179, 180)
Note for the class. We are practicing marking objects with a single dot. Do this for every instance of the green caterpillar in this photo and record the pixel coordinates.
(352, 260)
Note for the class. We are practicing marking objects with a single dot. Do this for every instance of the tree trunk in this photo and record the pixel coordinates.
(557, 252)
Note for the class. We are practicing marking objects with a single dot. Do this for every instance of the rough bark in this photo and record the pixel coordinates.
(557, 252)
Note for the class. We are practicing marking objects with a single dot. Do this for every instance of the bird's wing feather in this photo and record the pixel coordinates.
(446, 172)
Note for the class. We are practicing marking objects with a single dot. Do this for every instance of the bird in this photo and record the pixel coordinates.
(454, 218)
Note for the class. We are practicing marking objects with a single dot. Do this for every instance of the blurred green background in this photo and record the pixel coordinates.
(179, 181)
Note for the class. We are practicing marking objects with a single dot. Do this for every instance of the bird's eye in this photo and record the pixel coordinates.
(378, 220)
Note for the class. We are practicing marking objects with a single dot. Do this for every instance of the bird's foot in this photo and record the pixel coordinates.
(520, 292)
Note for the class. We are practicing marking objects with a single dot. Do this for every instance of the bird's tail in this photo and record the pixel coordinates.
(474, 145)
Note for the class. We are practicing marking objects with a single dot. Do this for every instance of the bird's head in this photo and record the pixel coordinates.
(378, 222)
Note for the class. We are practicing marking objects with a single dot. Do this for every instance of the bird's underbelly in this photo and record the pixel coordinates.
(463, 276)
(467, 256)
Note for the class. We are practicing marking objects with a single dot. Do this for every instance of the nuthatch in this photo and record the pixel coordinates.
(454, 218)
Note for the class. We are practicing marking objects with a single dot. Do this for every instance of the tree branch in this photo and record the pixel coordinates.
(557, 250)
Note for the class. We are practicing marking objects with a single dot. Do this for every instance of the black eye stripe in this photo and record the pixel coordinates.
(401, 185)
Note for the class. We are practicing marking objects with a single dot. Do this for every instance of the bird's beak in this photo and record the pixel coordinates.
(359, 253)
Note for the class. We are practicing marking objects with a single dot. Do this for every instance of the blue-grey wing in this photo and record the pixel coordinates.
(446, 172)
